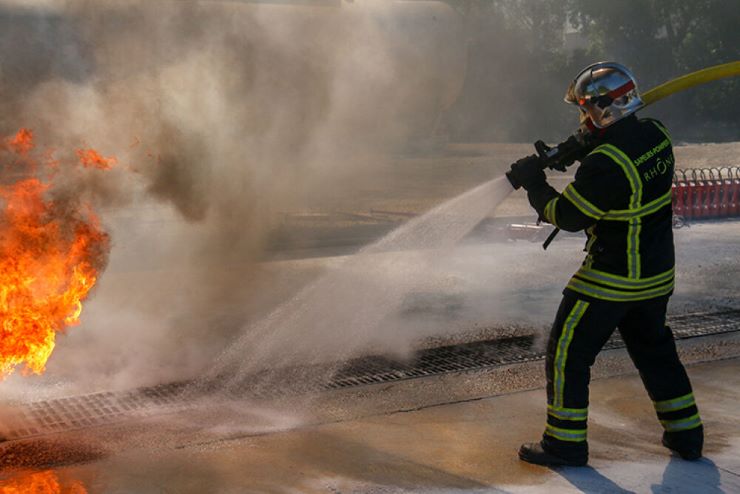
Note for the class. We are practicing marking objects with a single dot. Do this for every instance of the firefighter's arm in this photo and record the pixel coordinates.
(598, 187)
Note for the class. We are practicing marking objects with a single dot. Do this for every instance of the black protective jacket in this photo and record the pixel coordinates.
(621, 197)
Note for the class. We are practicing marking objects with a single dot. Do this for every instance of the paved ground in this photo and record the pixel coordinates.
(462, 447)
(433, 446)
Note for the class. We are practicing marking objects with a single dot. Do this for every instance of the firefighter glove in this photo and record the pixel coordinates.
(527, 172)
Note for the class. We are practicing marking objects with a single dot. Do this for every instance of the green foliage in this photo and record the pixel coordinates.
(516, 69)
(519, 64)
(662, 39)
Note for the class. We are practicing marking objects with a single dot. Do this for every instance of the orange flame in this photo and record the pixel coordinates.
(46, 482)
(22, 142)
(89, 158)
(49, 255)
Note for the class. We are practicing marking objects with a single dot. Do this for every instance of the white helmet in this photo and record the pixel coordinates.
(605, 92)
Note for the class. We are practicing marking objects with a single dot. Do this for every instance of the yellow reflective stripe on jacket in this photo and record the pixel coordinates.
(561, 352)
(644, 210)
(583, 205)
(663, 130)
(572, 435)
(634, 266)
(602, 293)
(629, 169)
(675, 404)
(549, 211)
(635, 224)
(616, 281)
(682, 424)
(591, 231)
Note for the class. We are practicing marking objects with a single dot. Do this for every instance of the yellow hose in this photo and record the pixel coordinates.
(690, 80)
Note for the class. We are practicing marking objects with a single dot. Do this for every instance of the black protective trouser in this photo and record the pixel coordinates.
(581, 329)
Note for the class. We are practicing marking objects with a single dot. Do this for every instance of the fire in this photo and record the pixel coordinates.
(46, 482)
(89, 158)
(22, 142)
(50, 253)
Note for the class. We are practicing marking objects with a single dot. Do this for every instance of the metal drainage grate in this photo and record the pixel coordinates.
(80, 412)
(505, 351)
(441, 360)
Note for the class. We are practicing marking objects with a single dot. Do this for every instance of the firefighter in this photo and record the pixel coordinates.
(621, 197)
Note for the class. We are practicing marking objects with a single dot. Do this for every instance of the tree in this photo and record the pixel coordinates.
(514, 85)
(662, 39)
(518, 67)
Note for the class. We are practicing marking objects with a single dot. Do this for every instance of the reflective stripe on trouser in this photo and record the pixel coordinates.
(678, 414)
(607, 286)
(581, 329)
(564, 423)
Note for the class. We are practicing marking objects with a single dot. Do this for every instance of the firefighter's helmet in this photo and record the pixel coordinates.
(605, 92)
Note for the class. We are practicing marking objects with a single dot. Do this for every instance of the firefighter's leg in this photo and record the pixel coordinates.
(580, 330)
(651, 345)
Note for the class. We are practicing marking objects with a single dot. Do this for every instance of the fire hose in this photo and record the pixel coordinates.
(582, 141)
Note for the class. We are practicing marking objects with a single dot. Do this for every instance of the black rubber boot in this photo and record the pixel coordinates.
(537, 454)
(688, 444)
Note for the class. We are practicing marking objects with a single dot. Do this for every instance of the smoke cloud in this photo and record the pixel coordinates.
(221, 115)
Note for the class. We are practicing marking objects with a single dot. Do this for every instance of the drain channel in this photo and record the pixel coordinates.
(80, 412)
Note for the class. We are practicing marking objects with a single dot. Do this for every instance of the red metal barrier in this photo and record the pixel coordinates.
(724, 192)
(691, 209)
(677, 192)
(702, 193)
(715, 193)
(734, 207)
(706, 193)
